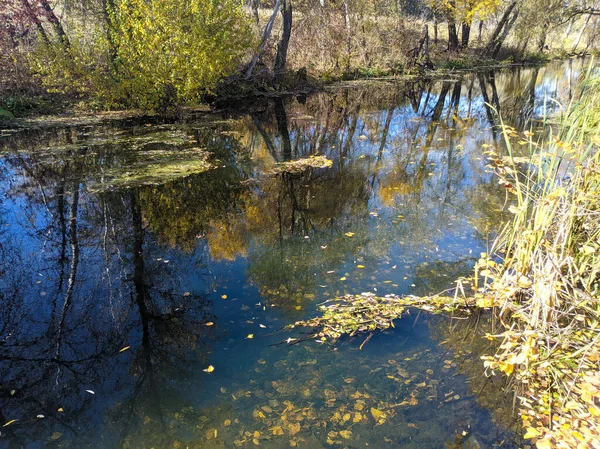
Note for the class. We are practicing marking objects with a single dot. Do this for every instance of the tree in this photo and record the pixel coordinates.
(176, 51)
(282, 47)
(462, 12)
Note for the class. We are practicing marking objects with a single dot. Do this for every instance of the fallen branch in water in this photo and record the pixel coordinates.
(353, 314)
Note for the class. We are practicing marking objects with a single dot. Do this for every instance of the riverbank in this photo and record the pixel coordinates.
(43, 110)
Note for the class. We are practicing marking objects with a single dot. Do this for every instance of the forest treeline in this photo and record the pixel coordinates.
(112, 54)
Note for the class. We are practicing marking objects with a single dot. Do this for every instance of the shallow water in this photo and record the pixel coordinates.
(137, 254)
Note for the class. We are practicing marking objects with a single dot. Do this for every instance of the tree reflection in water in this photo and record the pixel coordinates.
(99, 253)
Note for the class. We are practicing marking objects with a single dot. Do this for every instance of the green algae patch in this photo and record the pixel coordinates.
(366, 313)
(155, 168)
(300, 165)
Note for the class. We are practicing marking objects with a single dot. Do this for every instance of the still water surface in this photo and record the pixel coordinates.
(129, 266)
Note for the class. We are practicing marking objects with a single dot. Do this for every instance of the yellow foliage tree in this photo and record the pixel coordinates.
(464, 12)
(176, 50)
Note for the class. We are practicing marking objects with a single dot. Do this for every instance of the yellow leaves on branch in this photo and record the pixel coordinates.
(466, 10)
(177, 48)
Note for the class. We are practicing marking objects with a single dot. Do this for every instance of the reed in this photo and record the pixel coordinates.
(543, 274)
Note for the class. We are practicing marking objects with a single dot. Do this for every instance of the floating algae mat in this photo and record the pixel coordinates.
(154, 167)
(197, 284)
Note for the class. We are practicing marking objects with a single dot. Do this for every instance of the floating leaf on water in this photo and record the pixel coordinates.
(277, 430)
(346, 434)
(210, 369)
(294, 429)
(223, 296)
(532, 433)
(10, 422)
(124, 349)
(378, 415)
(250, 336)
(90, 391)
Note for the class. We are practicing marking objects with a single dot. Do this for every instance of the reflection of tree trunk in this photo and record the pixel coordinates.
(74, 266)
(384, 136)
(439, 106)
(282, 46)
(486, 103)
(455, 99)
(435, 30)
(266, 138)
(531, 97)
(60, 205)
(141, 292)
(495, 97)
(282, 128)
(350, 135)
(437, 113)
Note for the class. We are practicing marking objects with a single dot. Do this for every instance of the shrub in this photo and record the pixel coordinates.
(160, 53)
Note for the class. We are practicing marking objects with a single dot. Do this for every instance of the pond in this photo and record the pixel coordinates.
(149, 269)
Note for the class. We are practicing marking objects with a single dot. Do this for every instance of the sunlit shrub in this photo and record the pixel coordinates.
(176, 51)
(156, 54)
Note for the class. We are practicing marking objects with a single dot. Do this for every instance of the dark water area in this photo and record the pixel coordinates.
(147, 270)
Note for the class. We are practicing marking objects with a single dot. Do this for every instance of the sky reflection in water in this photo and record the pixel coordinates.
(128, 267)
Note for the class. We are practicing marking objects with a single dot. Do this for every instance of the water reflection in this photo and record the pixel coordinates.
(134, 255)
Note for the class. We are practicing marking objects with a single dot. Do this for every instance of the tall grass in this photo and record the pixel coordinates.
(543, 275)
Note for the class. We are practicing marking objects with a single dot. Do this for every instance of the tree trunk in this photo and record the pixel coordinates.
(38, 24)
(501, 30)
(282, 47)
(541, 43)
(255, 5)
(282, 129)
(263, 41)
(453, 43)
(60, 31)
(348, 36)
(466, 34)
(580, 35)
(108, 6)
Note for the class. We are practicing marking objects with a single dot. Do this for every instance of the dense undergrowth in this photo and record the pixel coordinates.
(543, 276)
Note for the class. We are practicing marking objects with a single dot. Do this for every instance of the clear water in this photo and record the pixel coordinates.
(127, 269)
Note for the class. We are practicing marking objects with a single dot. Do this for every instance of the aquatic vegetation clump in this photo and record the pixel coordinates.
(353, 314)
(301, 165)
(543, 274)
